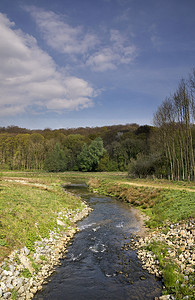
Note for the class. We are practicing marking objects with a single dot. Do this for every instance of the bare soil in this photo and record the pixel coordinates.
(156, 185)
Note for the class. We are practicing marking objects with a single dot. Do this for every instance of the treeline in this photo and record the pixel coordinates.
(165, 150)
(108, 148)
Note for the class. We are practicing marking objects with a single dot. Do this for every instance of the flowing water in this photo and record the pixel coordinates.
(100, 263)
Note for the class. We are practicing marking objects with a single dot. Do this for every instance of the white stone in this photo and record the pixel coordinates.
(21, 290)
(5, 273)
(11, 267)
(26, 250)
(3, 286)
(9, 286)
(164, 297)
(59, 222)
(7, 295)
(27, 264)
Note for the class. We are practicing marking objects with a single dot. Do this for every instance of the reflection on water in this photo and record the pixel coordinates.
(100, 263)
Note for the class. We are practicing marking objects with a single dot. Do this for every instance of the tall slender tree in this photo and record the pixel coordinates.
(175, 119)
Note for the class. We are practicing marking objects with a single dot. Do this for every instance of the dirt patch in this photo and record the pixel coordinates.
(141, 218)
(157, 186)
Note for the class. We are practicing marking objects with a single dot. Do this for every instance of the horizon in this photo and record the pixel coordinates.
(69, 128)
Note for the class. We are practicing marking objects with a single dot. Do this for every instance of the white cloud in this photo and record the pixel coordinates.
(119, 51)
(60, 35)
(78, 91)
(102, 60)
(29, 77)
(100, 54)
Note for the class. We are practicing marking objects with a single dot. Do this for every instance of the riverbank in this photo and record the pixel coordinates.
(165, 243)
(23, 273)
(38, 221)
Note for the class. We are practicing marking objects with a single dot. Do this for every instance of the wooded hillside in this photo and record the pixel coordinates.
(21, 148)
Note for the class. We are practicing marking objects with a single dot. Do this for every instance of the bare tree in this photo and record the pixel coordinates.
(175, 118)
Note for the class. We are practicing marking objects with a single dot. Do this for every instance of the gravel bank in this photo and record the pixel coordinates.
(179, 241)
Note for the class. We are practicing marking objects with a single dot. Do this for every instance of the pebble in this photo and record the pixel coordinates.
(7, 295)
(26, 251)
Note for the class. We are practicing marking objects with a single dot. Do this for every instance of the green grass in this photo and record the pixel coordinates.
(159, 203)
(26, 273)
(28, 212)
(172, 205)
(14, 295)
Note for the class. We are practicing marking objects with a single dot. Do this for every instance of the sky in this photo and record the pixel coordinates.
(88, 63)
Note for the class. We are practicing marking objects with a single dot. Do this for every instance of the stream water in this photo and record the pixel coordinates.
(99, 263)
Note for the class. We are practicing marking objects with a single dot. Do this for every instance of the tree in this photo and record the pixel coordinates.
(84, 160)
(21, 153)
(174, 119)
(96, 151)
(56, 161)
(74, 142)
(36, 151)
(106, 164)
(89, 157)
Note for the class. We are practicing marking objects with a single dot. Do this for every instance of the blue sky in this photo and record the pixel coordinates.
(72, 63)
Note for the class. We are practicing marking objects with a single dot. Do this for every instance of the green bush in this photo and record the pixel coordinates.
(170, 276)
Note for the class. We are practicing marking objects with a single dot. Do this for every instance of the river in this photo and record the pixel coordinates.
(100, 263)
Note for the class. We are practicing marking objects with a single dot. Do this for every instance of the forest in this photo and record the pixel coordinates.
(164, 150)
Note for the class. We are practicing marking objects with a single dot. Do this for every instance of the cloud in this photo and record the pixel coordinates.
(154, 37)
(102, 60)
(29, 77)
(60, 35)
(120, 51)
(79, 93)
(98, 53)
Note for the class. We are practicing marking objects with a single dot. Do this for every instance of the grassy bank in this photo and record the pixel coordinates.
(29, 206)
(160, 204)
